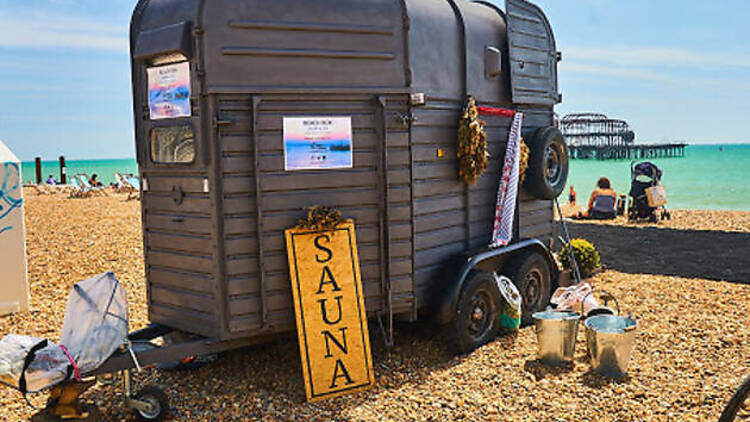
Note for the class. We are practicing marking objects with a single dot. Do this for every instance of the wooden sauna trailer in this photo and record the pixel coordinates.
(217, 197)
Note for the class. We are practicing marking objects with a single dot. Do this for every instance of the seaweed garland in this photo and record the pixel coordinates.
(472, 144)
(320, 219)
(523, 162)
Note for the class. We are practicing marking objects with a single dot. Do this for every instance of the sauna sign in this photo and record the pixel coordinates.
(321, 142)
(330, 311)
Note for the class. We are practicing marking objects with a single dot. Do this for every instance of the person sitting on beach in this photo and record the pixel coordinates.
(95, 181)
(602, 202)
(51, 180)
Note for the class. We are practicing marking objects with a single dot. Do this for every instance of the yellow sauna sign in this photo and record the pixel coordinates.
(330, 308)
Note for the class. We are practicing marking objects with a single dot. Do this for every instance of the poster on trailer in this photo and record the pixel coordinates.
(169, 91)
(317, 143)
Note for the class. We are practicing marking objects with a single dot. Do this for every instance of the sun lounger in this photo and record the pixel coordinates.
(77, 189)
(135, 184)
(84, 179)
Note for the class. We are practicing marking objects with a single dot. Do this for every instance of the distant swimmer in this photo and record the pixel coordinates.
(721, 149)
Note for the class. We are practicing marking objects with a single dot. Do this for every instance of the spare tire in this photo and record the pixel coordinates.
(548, 164)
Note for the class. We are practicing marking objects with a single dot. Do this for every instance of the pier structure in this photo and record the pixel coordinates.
(630, 151)
(596, 136)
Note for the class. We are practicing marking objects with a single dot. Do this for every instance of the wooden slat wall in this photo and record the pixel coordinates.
(440, 198)
(180, 252)
(284, 194)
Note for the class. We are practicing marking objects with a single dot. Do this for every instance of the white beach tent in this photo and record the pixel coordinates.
(14, 289)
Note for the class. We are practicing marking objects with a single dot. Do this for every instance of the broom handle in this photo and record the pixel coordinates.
(576, 273)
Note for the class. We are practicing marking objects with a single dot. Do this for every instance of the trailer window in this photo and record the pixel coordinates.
(172, 144)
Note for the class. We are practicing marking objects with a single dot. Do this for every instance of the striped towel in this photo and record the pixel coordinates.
(502, 232)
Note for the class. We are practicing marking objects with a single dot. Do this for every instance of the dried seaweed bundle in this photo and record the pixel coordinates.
(472, 144)
(320, 218)
(524, 162)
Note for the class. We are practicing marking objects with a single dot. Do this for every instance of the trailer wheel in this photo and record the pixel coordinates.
(548, 164)
(477, 319)
(531, 275)
(157, 399)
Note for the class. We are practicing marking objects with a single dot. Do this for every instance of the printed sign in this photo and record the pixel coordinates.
(330, 308)
(317, 143)
(169, 91)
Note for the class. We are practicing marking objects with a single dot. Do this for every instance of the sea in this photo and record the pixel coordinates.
(713, 177)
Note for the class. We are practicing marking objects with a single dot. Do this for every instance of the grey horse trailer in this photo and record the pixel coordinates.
(217, 196)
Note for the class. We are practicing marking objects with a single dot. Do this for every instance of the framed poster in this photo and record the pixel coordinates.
(169, 91)
(317, 143)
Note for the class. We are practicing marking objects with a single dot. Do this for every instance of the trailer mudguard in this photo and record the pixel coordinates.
(487, 260)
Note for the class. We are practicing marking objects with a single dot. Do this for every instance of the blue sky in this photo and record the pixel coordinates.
(672, 69)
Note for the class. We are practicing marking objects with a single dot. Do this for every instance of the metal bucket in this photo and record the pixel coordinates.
(556, 333)
(610, 340)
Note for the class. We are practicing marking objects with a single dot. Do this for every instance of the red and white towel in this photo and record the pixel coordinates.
(502, 232)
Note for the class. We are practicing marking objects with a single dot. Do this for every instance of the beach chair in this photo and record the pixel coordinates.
(40, 189)
(78, 190)
(95, 190)
(135, 184)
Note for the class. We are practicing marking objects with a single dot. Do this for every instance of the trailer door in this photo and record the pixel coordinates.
(533, 55)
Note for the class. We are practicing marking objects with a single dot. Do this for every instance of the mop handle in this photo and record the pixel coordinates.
(576, 273)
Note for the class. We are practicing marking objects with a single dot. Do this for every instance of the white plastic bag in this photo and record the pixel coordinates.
(95, 325)
(569, 298)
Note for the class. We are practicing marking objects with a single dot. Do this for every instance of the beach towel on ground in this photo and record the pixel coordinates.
(95, 325)
(507, 194)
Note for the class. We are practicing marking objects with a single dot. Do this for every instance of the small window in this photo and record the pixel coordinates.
(172, 144)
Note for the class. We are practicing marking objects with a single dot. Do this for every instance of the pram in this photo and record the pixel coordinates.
(643, 176)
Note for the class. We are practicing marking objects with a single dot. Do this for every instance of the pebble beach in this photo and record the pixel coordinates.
(692, 347)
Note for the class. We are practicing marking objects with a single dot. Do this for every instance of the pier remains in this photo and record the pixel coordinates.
(594, 135)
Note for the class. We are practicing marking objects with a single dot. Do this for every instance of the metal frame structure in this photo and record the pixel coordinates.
(595, 129)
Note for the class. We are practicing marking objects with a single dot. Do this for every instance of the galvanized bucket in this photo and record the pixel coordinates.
(556, 333)
(610, 341)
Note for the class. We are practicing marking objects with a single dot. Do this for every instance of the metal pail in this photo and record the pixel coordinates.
(610, 340)
(556, 333)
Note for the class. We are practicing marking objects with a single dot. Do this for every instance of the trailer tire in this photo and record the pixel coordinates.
(531, 274)
(477, 318)
(547, 173)
(159, 401)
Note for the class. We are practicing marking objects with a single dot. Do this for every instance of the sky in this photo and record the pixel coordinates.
(675, 70)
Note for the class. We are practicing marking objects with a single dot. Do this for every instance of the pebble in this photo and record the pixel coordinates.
(683, 370)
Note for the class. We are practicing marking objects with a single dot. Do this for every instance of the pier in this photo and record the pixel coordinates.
(596, 136)
(627, 151)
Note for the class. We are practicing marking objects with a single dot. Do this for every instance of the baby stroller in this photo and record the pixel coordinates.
(643, 176)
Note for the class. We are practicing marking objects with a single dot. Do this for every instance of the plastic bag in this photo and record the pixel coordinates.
(569, 298)
(95, 325)
(510, 313)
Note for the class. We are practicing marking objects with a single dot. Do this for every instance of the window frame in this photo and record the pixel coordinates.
(184, 121)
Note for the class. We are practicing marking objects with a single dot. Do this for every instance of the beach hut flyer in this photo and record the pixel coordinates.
(169, 91)
(317, 143)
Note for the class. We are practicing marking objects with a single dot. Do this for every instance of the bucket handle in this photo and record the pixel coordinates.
(607, 297)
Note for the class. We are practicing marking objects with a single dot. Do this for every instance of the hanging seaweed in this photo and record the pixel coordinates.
(523, 162)
(472, 144)
(320, 218)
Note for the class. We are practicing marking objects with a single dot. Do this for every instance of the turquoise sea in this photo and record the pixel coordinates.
(715, 177)
(104, 169)
(707, 178)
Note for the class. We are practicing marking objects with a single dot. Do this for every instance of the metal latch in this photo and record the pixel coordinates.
(218, 121)
(405, 119)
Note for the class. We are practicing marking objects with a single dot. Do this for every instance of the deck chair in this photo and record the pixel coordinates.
(121, 186)
(40, 189)
(77, 189)
(95, 190)
(135, 185)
